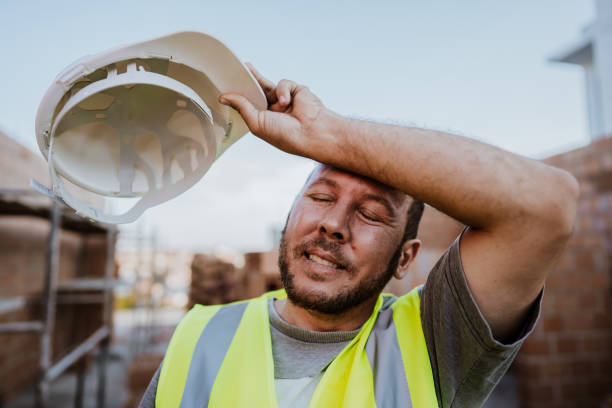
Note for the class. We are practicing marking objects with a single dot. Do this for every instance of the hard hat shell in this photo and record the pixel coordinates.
(142, 120)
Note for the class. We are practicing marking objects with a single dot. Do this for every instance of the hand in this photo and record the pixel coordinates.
(291, 116)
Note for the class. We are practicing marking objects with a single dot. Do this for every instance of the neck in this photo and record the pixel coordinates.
(351, 319)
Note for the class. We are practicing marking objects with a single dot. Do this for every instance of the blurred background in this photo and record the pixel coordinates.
(87, 310)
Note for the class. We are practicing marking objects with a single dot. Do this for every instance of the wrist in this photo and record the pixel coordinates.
(326, 137)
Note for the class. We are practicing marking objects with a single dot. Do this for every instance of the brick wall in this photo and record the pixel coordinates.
(567, 361)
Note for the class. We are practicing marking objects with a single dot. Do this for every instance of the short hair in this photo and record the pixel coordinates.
(415, 213)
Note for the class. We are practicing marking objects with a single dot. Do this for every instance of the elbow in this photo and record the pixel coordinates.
(562, 209)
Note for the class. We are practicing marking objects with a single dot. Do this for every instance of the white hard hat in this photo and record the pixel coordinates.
(141, 120)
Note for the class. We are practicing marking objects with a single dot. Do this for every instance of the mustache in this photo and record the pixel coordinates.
(332, 247)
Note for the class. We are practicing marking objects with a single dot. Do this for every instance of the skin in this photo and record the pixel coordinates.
(520, 211)
(364, 220)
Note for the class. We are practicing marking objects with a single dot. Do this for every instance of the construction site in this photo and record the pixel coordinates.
(82, 322)
(88, 308)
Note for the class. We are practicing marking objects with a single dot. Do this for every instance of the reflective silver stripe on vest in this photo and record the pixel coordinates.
(385, 356)
(209, 353)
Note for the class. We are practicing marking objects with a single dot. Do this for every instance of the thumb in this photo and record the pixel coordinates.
(246, 109)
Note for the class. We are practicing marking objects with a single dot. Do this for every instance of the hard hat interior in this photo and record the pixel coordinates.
(140, 135)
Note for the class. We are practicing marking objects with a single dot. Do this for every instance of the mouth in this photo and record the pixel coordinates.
(321, 261)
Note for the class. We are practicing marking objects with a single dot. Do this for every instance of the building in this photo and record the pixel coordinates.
(567, 361)
(594, 53)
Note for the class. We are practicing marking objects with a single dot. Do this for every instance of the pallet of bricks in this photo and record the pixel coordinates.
(24, 254)
(214, 281)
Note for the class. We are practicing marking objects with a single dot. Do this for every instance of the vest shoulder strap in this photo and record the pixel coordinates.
(175, 366)
(415, 356)
(206, 353)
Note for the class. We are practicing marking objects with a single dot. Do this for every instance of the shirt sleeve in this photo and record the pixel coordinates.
(467, 361)
(148, 398)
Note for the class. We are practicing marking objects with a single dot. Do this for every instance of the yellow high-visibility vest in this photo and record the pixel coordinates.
(221, 356)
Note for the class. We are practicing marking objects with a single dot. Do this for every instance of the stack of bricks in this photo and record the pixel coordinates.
(217, 282)
(567, 361)
(19, 358)
(261, 272)
(23, 263)
(23, 256)
(214, 282)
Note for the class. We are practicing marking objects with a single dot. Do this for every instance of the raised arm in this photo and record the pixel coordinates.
(520, 211)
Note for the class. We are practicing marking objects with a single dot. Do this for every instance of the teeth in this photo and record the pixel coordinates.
(322, 261)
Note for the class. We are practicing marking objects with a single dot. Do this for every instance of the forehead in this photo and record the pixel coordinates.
(338, 178)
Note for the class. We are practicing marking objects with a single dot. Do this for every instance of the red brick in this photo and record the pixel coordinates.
(577, 323)
(566, 258)
(573, 391)
(536, 346)
(600, 386)
(602, 321)
(587, 301)
(553, 369)
(595, 343)
(567, 345)
(584, 260)
(604, 366)
(600, 280)
(525, 366)
(580, 368)
(538, 393)
(561, 301)
(553, 324)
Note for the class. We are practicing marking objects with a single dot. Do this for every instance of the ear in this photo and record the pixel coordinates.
(410, 249)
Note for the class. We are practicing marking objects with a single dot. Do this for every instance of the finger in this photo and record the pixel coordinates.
(246, 109)
(284, 90)
(265, 83)
(276, 107)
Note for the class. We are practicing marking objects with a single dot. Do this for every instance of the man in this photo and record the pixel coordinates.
(334, 341)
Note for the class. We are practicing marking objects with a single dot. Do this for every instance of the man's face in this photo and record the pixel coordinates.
(340, 244)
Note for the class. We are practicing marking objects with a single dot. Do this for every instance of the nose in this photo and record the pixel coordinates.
(334, 224)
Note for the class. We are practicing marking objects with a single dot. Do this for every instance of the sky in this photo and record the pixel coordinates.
(476, 68)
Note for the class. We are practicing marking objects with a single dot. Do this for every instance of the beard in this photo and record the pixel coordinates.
(345, 298)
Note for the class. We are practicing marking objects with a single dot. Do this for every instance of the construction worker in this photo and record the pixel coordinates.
(330, 339)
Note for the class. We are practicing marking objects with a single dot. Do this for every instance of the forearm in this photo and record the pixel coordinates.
(478, 184)
(522, 211)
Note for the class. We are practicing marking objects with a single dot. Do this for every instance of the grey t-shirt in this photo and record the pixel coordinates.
(302, 353)
(300, 358)
(467, 362)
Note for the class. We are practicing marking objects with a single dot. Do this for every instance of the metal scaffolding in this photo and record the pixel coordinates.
(27, 202)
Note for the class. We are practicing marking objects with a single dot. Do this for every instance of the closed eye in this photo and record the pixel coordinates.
(322, 198)
(368, 215)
